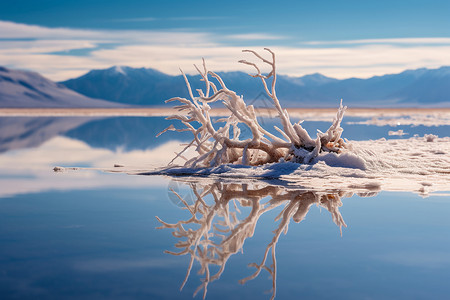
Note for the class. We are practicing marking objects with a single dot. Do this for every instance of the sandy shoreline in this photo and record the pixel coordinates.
(143, 112)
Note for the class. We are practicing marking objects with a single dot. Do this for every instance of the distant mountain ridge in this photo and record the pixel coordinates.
(29, 89)
(421, 87)
(124, 86)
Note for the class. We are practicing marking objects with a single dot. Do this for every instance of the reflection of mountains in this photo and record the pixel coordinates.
(218, 227)
(128, 133)
(28, 132)
(132, 133)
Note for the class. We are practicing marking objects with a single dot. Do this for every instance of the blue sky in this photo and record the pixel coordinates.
(64, 39)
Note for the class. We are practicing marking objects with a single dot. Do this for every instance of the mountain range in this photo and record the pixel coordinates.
(29, 89)
(149, 87)
(421, 87)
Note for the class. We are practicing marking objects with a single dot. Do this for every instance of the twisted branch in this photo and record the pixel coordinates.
(223, 145)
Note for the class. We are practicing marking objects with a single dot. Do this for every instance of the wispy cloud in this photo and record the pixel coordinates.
(145, 19)
(10, 30)
(198, 18)
(192, 18)
(39, 49)
(255, 36)
(402, 41)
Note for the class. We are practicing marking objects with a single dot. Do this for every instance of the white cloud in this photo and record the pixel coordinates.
(410, 41)
(255, 37)
(151, 19)
(145, 19)
(44, 46)
(10, 30)
(198, 18)
(167, 51)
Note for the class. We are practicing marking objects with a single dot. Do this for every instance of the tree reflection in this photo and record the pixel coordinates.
(220, 223)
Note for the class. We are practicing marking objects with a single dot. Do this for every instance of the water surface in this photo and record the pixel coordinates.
(93, 235)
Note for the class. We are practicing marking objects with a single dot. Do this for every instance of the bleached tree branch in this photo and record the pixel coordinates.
(223, 145)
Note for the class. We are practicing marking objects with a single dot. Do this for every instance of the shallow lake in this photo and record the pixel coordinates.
(91, 234)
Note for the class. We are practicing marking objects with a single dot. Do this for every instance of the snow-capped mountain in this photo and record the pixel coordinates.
(421, 87)
(149, 87)
(29, 89)
(145, 86)
(127, 85)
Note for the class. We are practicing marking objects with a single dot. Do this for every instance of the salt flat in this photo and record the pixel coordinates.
(303, 113)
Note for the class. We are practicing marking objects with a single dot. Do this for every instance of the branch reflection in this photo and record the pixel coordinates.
(219, 223)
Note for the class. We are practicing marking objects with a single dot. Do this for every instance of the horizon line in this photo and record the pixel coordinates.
(235, 71)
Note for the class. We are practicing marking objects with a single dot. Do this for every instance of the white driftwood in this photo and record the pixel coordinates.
(223, 145)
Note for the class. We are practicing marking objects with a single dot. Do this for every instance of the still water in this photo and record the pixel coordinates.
(97, 235)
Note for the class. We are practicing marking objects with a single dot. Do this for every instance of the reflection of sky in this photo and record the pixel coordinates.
(31, 170)
(84, 243)
(89, 234)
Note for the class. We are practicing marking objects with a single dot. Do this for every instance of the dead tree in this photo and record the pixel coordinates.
(223, 145)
